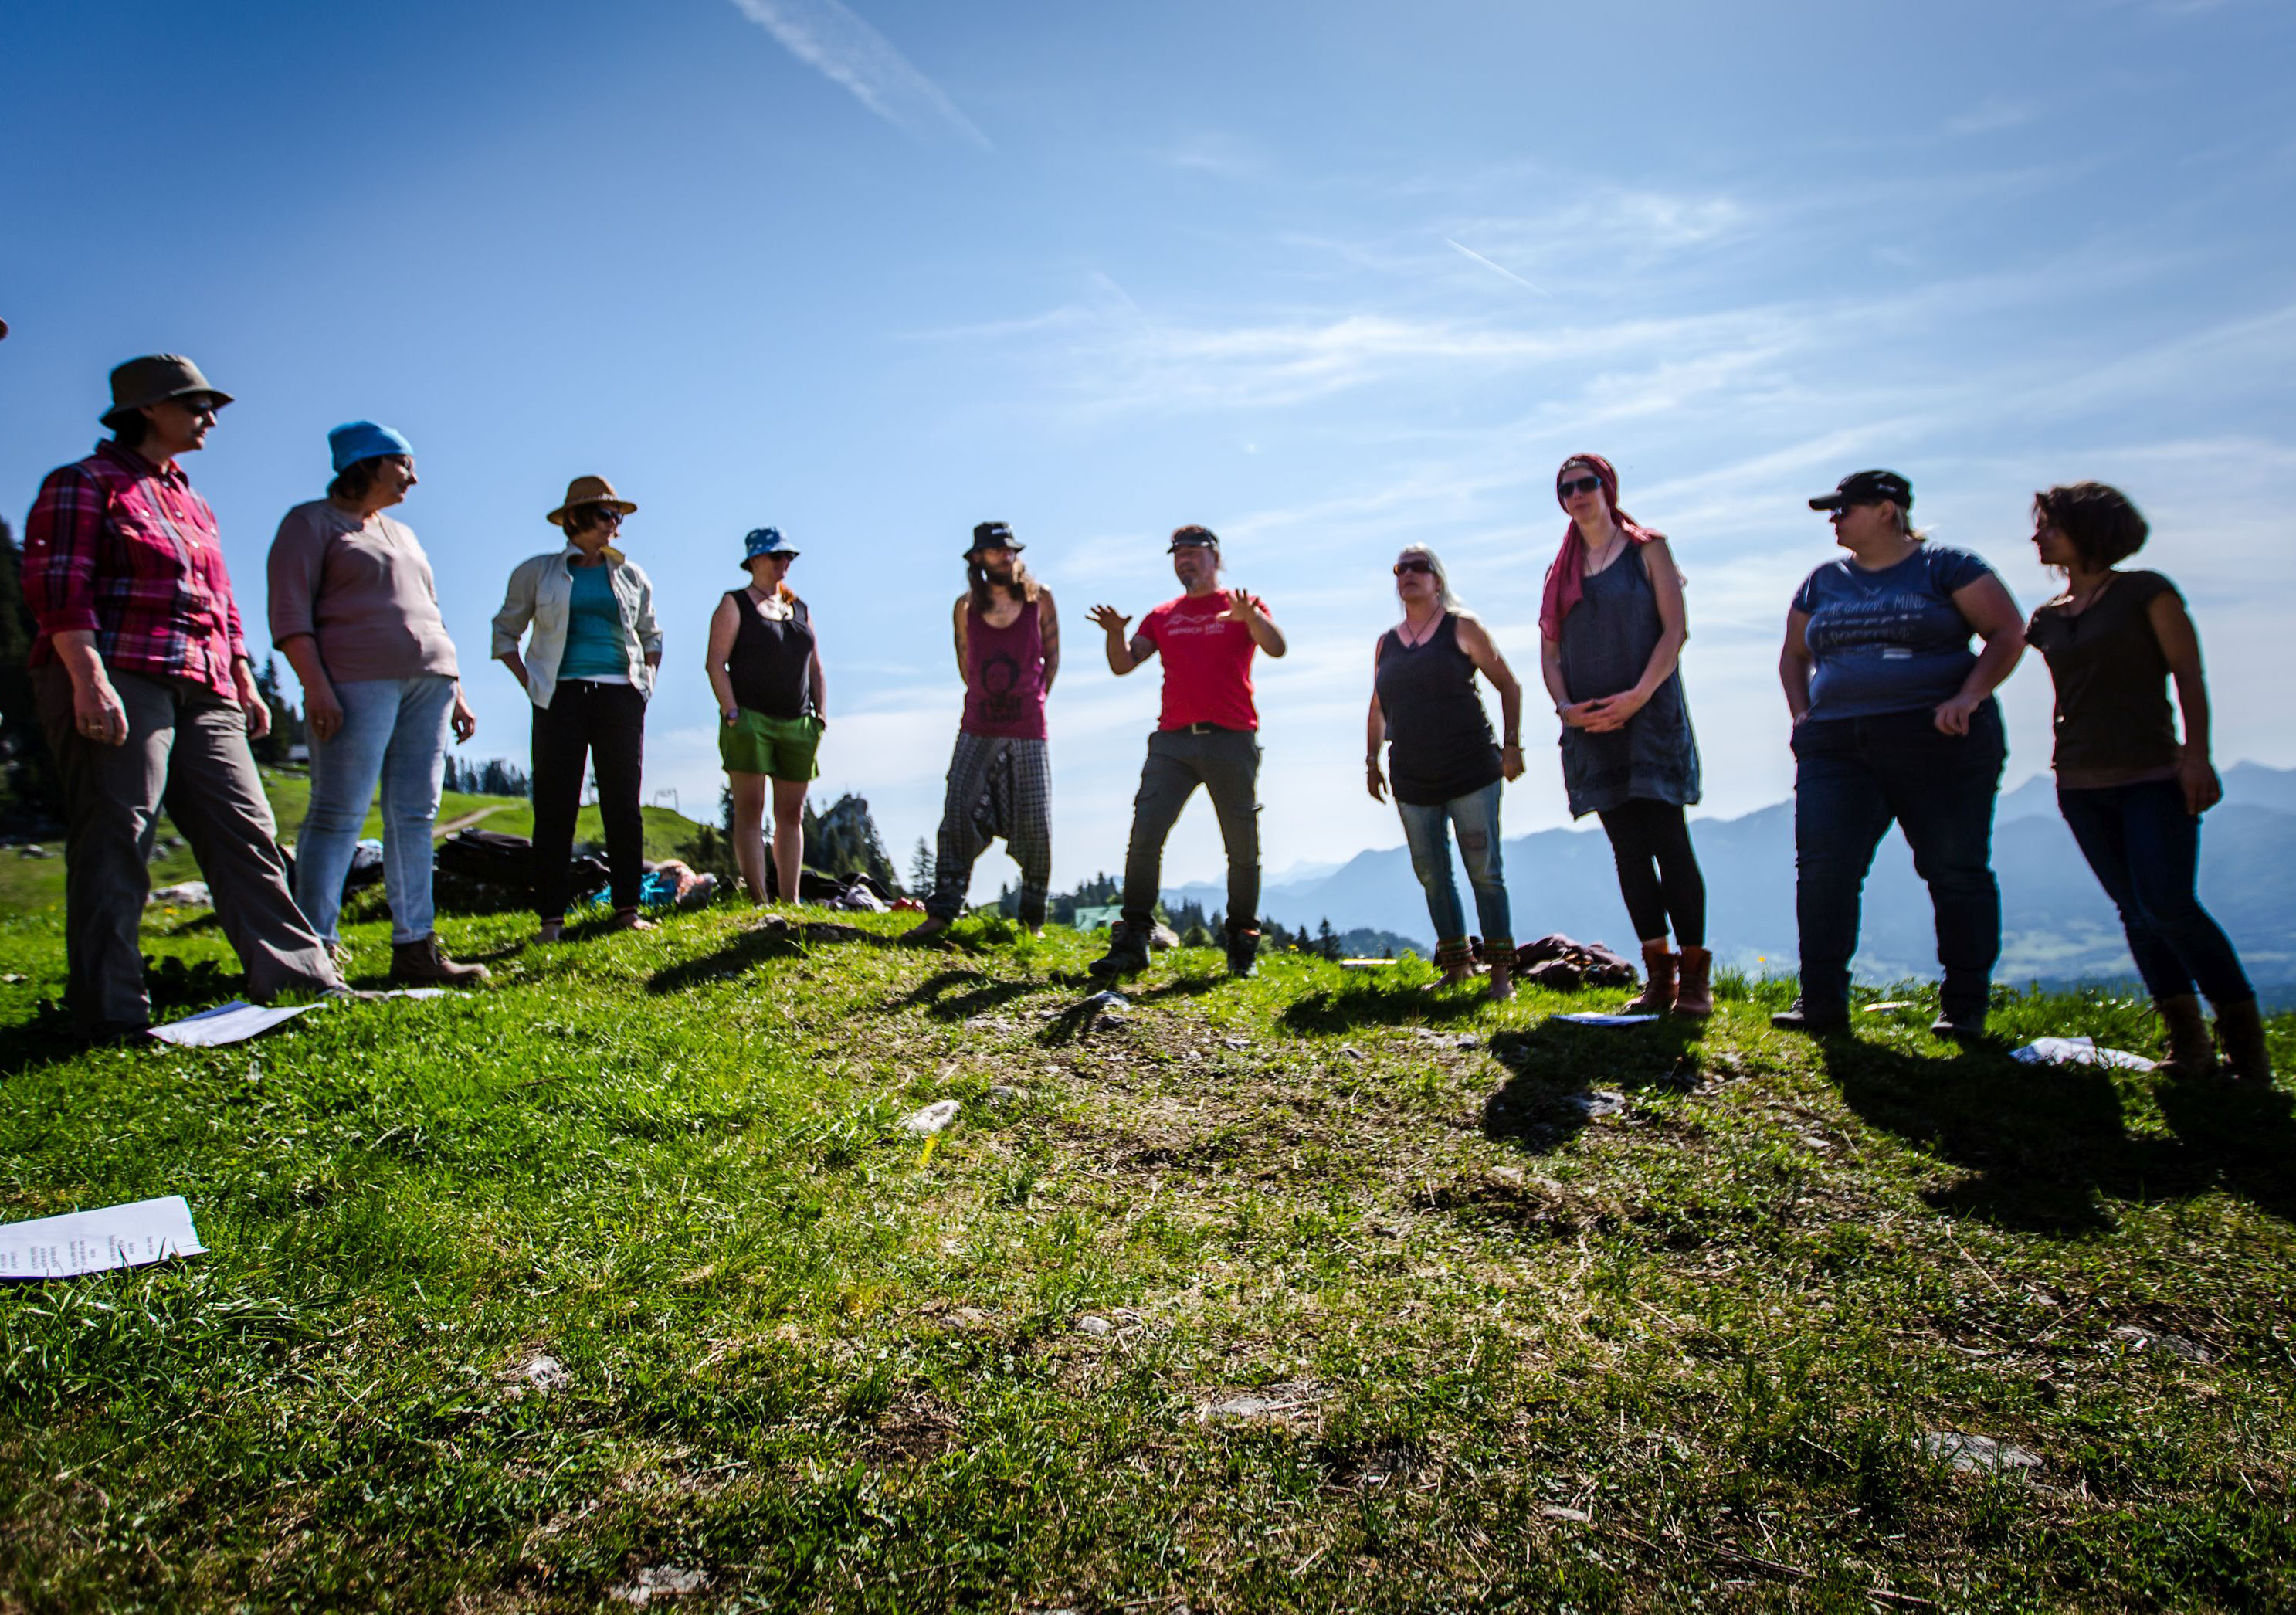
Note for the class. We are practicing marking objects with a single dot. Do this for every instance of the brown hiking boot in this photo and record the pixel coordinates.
(2190, 1051)
(2240, 1027)
(1693, 992)
(425, 964)
(1657, 996)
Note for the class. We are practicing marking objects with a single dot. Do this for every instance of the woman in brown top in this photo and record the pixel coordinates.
(2131, 794)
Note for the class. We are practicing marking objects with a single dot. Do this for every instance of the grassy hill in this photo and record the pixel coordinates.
(1313, 1291)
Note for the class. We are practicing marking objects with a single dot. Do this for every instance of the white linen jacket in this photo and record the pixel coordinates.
(541, 593)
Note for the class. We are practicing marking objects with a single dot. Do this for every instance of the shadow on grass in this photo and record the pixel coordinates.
(1373, 1001)
(1555, 1069)
(938, 996)
(2046, 1148)
(757, 944)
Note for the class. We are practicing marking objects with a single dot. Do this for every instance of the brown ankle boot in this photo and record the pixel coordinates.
(1694, 993)
(1657, 996)
(2240, 1027)
(425, 964)
(2190, 1051)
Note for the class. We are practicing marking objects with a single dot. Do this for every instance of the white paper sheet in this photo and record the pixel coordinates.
(2079, 1051)
(1591, 1018)
(132, 1235)
(232, 1022)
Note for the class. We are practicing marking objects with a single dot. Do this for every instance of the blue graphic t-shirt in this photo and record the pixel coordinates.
(1890, 641)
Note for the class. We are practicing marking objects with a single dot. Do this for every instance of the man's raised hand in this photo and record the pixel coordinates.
(1107, 616)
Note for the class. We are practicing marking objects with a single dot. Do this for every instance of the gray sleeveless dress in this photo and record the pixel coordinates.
(1607, 640)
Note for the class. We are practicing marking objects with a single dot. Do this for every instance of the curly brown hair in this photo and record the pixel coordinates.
(2095, 518)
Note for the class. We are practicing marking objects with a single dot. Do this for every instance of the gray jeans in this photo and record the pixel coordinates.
(1226, 763)
(186, 749)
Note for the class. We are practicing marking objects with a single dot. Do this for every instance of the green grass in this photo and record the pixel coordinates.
(1679, 1354)
(31, 883)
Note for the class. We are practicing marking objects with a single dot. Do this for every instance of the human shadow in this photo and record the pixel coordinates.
(937, 995)
(1563, 1075)
(1359, 1001)
(2044, 1148)
(776, 939)
(2246, 1135)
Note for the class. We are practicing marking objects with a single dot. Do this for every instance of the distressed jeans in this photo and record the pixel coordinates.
(1428, 829)
(394, 732)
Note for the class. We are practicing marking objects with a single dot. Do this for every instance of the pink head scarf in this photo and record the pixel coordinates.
(1566, 577)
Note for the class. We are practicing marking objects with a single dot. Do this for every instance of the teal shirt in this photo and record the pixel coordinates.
(597, 646)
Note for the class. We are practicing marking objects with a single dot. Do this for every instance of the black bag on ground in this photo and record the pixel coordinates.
(486, 869)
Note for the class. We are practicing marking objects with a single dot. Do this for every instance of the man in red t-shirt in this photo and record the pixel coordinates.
(1208, 736)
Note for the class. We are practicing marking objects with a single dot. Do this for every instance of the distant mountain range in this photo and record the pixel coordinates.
(2058, 927)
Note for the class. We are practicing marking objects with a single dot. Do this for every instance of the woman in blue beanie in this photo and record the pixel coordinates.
(355, 610)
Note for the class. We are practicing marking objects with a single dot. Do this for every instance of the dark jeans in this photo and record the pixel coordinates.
(605, 726)
(186, 749)
(1658, 871)
(2146, 849)
(1225, 762)
(1853, 775)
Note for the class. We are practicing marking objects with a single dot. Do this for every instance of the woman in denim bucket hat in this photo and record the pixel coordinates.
(355, 610)
(765, 667)
(589, 669)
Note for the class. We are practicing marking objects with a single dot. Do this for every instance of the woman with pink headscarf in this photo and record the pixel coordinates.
(1612, 628)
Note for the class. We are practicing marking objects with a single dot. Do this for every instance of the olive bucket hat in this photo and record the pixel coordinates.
(154, 378)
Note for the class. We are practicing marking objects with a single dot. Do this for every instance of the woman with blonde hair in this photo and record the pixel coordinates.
(1444, 767)
(1612, 628)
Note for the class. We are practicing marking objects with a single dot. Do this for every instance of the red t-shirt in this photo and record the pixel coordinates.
(1207, 662)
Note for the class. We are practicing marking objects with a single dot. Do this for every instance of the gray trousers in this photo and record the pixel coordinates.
(996, 786)
(1225, 762)
(186, 749)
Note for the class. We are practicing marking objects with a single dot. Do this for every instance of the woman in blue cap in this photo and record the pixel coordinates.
(355, 610)
(765, 666)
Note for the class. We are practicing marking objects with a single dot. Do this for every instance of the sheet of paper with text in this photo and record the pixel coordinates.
(132, 1235)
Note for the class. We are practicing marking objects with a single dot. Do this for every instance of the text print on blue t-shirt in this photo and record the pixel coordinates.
(1890, 641)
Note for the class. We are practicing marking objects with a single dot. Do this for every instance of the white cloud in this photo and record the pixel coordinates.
(828, 37)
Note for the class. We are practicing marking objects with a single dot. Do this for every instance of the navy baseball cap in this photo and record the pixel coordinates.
(1867, 487)
(1193, 539)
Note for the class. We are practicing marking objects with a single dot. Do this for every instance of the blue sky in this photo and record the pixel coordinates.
(1328, 278)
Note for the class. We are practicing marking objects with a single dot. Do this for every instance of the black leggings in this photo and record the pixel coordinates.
(1658, 873)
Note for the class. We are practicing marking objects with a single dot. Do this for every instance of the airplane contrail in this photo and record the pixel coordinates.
(1502, 269)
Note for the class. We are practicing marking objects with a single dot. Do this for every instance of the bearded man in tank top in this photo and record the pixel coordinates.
(1208, 735)
(1000, 781)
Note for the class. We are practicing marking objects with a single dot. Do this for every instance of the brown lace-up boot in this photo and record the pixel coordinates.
(1693, 992)
(1657, 996)
(2240, 1027)
(424, 963)
(2190, 1051)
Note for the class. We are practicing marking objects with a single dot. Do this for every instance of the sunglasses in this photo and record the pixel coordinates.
(1413, 565)
(602, 515)
(197, 404)
(1578, 484)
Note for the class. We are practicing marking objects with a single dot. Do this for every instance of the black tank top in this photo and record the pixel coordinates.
(1442, 747)
(771, 660)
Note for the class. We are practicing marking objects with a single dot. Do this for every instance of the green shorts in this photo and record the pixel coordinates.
(783, 748)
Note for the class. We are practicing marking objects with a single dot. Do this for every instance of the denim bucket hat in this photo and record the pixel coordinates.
(765, 541)
(358, 440)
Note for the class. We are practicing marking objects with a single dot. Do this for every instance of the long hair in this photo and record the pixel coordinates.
(1449, 601)
(1023, 581)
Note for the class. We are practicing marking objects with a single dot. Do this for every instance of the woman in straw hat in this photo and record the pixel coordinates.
(589, 669)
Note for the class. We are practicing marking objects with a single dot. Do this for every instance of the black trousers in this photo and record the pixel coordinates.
(1225, 762)
(603, 726)
(1658, 871)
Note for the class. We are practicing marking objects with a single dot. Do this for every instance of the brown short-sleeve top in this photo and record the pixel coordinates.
(2113, 722)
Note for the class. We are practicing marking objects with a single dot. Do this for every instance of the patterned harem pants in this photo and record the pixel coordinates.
(997, 787)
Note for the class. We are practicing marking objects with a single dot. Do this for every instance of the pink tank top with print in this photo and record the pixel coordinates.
(1005, 676)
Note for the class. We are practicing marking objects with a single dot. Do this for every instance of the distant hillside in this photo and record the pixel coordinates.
(2058, 926)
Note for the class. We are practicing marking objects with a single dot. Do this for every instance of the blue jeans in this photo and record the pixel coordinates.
(2146, 849)
(394, 730)
(1428, 830)
(1852, 776)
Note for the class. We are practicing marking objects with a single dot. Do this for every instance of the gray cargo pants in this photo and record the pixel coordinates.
(186, 749)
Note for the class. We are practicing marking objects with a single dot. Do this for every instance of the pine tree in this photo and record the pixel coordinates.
(922, 869)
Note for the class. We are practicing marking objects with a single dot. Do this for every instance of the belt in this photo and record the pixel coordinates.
(1205, 729)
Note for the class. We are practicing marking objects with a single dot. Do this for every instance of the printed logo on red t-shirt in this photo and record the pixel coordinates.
(1207, 662)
